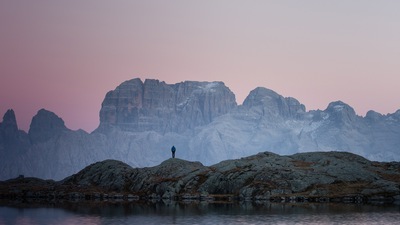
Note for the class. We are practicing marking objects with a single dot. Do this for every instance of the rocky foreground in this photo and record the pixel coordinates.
(312, 177)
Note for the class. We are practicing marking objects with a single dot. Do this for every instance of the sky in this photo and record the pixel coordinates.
(64, 56)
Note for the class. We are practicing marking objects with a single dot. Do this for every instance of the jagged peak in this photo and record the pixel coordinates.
(46, 117)
(372, 115)
(273, 104)
(128, 84)
(200, 85)
(394, 116)
(293, 101)
(372, 112)
(258, 95)
(45, 124)
(341, 112)
(9, 119)
(339, 106)
(134, 80)
(8, 128)
(151, 81)
(263, 92)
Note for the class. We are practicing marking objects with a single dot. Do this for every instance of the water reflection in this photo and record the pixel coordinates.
(194, 213)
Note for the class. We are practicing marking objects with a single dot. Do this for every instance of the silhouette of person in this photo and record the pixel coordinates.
(173, 149)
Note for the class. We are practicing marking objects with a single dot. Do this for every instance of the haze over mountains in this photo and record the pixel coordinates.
(140, 121)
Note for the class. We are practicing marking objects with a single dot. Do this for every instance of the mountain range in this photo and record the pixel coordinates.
(141, 121)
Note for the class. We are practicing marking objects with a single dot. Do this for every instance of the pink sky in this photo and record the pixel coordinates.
(65, 55)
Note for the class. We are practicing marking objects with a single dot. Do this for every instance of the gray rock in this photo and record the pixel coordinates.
(109, 174)
(9, 128)
(270, 104)
(14, 145)
(157, 106)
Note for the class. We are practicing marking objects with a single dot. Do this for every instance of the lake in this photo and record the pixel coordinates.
(32, 213)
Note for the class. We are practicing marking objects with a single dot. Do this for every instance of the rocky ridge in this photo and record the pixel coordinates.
(311, 177)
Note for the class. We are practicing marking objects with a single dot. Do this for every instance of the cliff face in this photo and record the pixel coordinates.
(157, 106)
(140, 121)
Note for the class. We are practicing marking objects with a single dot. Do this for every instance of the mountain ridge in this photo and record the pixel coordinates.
(140, 121)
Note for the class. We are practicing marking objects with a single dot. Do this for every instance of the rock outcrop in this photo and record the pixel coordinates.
(314, 177)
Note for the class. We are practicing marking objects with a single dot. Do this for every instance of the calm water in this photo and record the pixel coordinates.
(195, 213)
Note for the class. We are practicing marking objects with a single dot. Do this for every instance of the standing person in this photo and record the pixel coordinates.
(173, 149)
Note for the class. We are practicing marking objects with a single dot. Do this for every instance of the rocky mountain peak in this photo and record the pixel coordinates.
(8, 128)
(15, 141)
(271, 104)
(397, 114)
(45, 125)
(9, 121)
(259, 96)
(153, 105)
(341, 111)
(373, 116)
(339, 106)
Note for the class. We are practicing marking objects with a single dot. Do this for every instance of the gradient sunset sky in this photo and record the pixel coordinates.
(65, 55)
